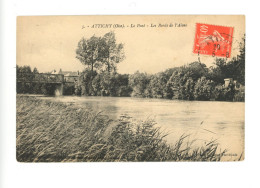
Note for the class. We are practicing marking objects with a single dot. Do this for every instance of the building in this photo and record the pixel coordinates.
(229, 81)
(69, 76)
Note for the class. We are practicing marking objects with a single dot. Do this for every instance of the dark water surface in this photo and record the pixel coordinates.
(202, 120)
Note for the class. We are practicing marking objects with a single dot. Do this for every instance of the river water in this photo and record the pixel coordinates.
(202, 120)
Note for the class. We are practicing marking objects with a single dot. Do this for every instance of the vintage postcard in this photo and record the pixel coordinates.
(130, 88)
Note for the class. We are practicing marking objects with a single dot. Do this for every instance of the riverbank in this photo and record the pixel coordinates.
(57, 132)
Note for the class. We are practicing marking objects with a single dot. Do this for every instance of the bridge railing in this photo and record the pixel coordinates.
(40, 77)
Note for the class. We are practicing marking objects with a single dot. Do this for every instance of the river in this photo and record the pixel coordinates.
(202, 120)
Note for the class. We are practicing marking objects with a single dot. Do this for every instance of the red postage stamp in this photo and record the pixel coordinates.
(213, 40)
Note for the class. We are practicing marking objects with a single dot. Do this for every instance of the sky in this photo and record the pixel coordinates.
(50, 42)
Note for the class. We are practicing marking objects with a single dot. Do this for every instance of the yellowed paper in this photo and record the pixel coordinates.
(130, 88)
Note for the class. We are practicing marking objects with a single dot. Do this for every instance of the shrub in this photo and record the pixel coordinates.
(240, 95)
(68, 89)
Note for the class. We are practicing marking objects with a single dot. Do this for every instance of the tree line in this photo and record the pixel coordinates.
(194, 81)
(191, 82)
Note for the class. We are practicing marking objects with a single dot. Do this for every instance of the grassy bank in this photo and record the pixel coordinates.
(52, 132)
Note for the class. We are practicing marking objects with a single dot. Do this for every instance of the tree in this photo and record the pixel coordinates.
(239, 63)
(196, 70)
(188, 89)
(235, 68)
(176, 83)
(157, 85)
(85, 82)
(24, 73)
(220, 71)
(111, 52)
(88, 52)
(35, 70)
(97, 52)
(139, 82)
(203, 89)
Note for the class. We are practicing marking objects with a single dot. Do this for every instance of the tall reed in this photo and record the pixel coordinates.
(56, 132)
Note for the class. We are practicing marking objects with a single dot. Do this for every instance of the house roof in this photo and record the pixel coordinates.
(66, 73)
(69, 73)
(54, 72)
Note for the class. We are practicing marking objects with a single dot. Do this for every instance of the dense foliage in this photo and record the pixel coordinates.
(100, 53)
(194, 81)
